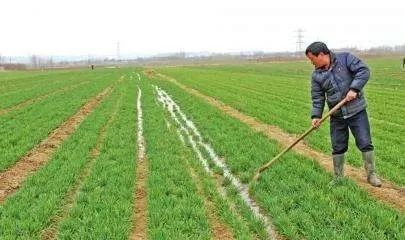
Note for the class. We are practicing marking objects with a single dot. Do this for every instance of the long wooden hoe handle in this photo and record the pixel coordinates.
(267, 165)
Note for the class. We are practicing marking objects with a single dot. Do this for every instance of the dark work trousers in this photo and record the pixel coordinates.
(360, 128)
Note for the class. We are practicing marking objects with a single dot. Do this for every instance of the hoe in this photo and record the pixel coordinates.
(267, 165)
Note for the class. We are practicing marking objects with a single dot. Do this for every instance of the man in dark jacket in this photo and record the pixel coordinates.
(338, 76)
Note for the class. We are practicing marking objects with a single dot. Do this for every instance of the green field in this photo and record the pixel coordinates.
(279, 94)
(199, 159)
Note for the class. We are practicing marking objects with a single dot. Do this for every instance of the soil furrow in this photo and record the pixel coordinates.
(220, 230)
(140, 210)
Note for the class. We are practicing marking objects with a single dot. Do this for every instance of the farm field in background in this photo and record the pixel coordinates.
(129, 154)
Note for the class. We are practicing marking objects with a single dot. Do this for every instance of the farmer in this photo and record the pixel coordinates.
(338, 76)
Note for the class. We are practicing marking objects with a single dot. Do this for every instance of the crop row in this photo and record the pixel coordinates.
(29, 211)
(105, 202)
(50, 84)
(201, 167)
(24, 128)
(88, 183)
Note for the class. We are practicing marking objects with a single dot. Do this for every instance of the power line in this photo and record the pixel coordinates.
(118, 51)
(300, 40)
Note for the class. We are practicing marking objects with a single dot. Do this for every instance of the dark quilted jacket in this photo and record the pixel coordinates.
(346, 72)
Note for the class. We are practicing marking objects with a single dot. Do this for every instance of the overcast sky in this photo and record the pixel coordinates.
(81, 27)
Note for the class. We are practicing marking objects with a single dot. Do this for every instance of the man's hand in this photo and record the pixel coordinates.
(315, 122)
(351, 95)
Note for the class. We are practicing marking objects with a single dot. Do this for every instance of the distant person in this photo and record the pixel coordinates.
(403, 63)
(92, 66)
(338, 76)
